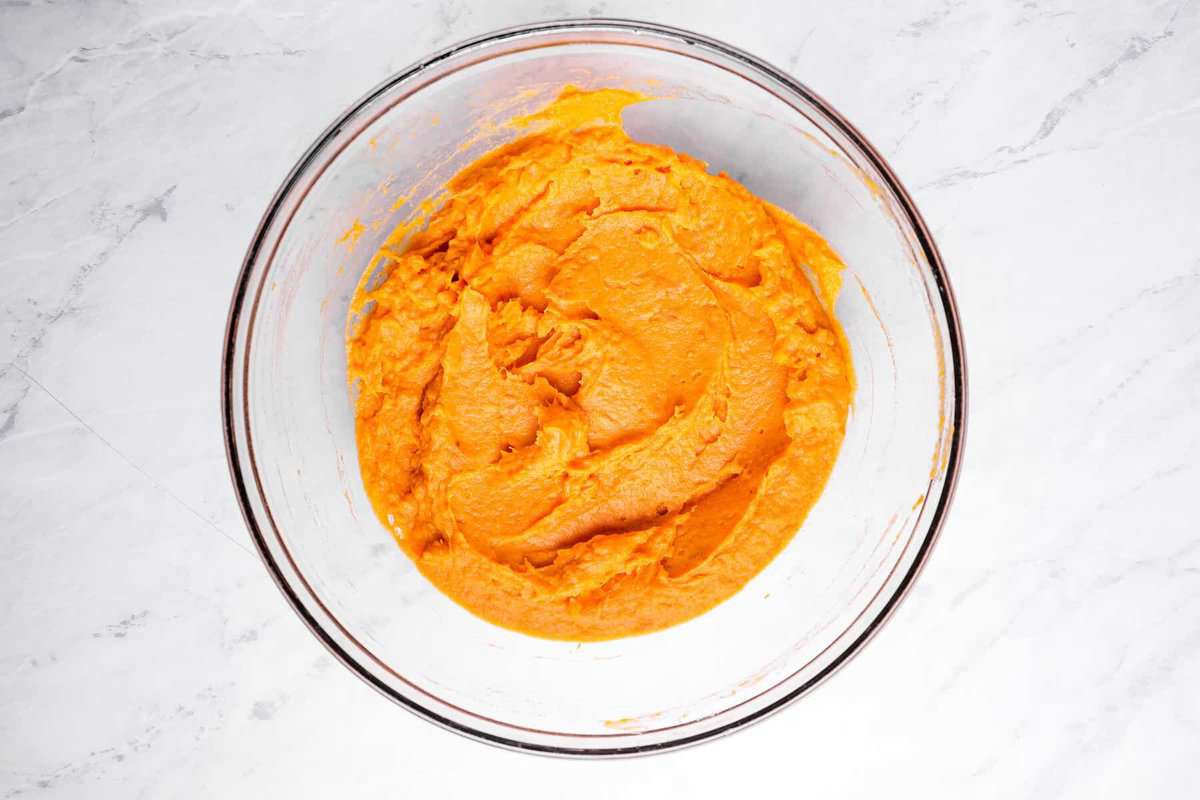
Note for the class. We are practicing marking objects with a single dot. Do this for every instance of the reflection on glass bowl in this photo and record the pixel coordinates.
(289, 420)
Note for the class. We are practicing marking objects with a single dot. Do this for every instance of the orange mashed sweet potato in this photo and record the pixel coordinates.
(597, 393)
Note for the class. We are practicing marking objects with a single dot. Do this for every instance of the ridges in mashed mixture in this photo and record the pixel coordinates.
(597, 393)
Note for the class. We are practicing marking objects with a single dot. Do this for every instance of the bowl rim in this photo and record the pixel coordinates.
(929, 250)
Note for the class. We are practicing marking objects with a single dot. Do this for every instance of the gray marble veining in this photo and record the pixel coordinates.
(1051, 649)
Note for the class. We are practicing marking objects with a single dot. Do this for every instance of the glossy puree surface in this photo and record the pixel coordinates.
(597, 392)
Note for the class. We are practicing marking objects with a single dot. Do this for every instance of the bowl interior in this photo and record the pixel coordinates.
(293, 426)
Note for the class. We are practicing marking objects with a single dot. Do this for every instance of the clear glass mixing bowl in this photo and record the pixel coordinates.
(289, 422)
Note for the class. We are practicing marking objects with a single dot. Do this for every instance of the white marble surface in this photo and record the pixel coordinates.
(1052, 647)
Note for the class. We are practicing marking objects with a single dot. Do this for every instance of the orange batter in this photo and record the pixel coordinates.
(597, 393)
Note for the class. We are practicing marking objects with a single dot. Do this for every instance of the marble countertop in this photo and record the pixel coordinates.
(1051, 648)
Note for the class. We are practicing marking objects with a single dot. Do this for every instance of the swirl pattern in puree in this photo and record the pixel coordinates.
(597, 392)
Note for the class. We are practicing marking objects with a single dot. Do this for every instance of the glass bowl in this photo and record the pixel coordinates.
(289, 423)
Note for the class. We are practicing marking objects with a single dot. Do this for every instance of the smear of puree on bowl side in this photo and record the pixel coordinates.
(597, 393)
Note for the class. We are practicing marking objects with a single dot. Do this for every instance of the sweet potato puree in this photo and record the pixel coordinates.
(596, 393)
